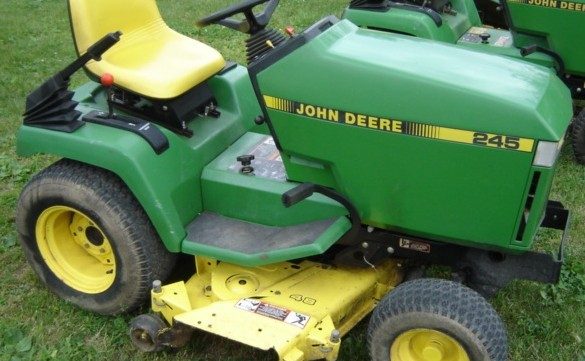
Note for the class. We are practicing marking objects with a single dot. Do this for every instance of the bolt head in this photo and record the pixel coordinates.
(259, 120)
(335, 336)
(157, 286)
(390, 250)
(365, 245)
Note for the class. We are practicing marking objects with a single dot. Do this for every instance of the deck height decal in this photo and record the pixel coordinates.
(275, 312)
(387, 124)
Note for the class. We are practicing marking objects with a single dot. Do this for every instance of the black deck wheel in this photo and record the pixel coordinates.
(88, 239)
(578, 137)
(436, 320)
(144, 331)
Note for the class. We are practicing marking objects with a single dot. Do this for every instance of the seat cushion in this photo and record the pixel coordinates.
(150, 59)
(158, 62)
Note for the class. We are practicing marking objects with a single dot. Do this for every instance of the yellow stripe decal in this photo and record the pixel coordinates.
(400, 126)
(555, 4)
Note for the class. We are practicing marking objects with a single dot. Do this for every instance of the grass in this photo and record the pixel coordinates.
(544, 322)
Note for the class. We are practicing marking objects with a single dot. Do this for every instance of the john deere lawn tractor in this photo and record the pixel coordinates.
(545, 32)
(311, 187)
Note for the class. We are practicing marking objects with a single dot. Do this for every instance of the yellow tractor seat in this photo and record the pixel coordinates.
(151, 59)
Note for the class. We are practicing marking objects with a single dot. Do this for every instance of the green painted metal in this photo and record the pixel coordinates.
(508, 49)
(443, 190)
(321, 244)
(561, 23)
(418, 24)
(536, 212)
(168, 185)
(256, 199)
(184, 181)
(552, 24)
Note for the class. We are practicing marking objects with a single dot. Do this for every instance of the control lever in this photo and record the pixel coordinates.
(107, 81)
(153, 136)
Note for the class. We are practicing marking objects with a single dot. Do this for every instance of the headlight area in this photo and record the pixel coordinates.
(547, 153)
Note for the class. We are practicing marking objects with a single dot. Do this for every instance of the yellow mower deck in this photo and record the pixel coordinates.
(298, 310)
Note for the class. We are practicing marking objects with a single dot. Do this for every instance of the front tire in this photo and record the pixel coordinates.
(88, 238)
(431, 319)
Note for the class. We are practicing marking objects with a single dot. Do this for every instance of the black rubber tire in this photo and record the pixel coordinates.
(140, 255)
(578, 137)
(441, 305)
(144, 330)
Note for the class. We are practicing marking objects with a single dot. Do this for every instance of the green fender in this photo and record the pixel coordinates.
(156, 181)
(168, 186)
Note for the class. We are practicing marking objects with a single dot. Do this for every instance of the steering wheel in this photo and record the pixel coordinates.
(252, 24)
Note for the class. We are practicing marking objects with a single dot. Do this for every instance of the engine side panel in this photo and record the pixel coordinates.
(561, 22)
(353, 81)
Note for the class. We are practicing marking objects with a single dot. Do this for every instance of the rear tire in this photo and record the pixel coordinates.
(88, 238)
(431, 319)
(578, 137)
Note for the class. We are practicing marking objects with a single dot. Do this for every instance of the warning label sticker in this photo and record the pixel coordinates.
(503, 41)
(275, 312)
(415, 245)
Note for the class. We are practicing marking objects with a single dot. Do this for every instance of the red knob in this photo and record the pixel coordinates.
(289, 30)
(107, 80)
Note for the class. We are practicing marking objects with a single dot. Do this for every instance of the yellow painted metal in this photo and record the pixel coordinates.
(151, 59)
(75, 249)
(290, 308)
(427, 345)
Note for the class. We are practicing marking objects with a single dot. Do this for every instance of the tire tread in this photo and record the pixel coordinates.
(151, 259)
(448, 299)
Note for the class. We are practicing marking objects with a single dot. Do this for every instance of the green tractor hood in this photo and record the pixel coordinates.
(415, 79)
(422, 137)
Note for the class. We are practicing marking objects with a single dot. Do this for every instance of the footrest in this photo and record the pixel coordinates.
(251, 244)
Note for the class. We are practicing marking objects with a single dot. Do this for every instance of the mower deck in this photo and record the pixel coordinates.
(297, 310)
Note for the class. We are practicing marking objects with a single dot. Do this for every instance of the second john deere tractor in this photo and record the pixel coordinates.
(545, 32)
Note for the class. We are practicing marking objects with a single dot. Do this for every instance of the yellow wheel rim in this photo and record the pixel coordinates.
(75, 249)
(426, 345)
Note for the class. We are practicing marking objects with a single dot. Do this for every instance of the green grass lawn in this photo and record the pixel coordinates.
(544, 322)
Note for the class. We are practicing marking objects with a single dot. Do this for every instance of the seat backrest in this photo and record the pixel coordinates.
(92, 19)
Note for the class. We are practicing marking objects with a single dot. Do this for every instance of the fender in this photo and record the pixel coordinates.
(168, 186)
(157, 181)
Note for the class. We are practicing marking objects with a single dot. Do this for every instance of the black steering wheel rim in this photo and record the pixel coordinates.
(252, 24)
